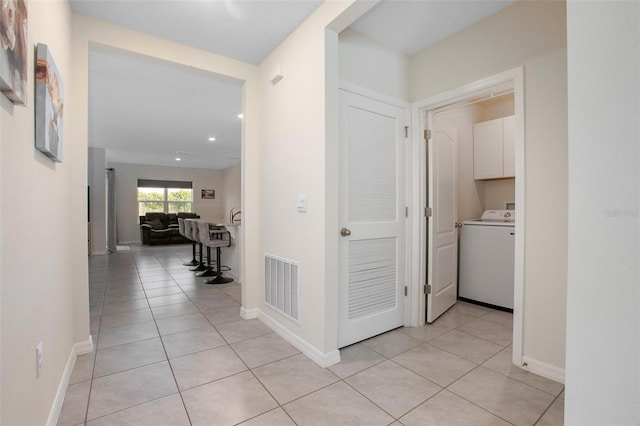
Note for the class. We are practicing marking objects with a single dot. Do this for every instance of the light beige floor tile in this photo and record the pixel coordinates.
(192, 341)
(435, 364)
(126, 318)
(554, 416)
(174, 310)
(293, 377)
(165, 282)
(206, 366)
(447, 409)
(167, 411)
(242, 330)
(499, 317)
(182, 323)
(502, 363)
(507, 398)
(124, 289)
(393, 388)
(127, 334)
(163, 291)
(354, 359)
(264, 349)
(454, 318)
(470, 308)
(155, 278)
(275, 417)
(337, 404)
(490, 331)
(208, 304)
(167, 300)
(426, 332)
(228, 401)
(118, 307)
(467, 346)
(74, 407)
(129, 388)
(131, 355)
(391, 343)
(83, 369)
(124, 297)
(223, 315)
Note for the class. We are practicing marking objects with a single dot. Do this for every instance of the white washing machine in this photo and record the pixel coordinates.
(487, 247)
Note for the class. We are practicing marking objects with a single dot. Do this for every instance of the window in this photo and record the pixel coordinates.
(164, 196)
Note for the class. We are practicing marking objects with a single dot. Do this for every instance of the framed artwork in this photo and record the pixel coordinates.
(13, 50)
(208, 194)
(49, 105)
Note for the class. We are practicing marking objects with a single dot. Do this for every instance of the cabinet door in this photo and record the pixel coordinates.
(487, 150)
(508, 146)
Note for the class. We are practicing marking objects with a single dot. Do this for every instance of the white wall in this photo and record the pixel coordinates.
(300, 157)
(43, 267)
(97, 181)
(532, 34)
(369, 65)
(603, 306)
(231, 190)
(127, 176)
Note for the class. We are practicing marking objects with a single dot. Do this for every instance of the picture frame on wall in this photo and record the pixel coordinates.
(208, 194)
(49, 105)
(13, 50)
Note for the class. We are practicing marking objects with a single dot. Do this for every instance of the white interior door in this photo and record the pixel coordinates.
(372, 218)
(442, 262)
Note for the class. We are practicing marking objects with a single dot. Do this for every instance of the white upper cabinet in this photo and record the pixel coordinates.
(493, 149)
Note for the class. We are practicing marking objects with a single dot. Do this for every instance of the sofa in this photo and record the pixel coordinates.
(162, 228)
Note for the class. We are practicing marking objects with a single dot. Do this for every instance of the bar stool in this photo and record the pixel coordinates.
(213, 236)
(194, 237)
(182, 229)
(201, 235)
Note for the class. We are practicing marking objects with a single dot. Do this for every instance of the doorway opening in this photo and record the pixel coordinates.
(445, 168)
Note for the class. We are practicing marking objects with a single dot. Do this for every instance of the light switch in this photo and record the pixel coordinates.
(302, 203)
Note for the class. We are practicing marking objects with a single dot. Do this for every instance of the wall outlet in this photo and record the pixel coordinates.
(39, 358)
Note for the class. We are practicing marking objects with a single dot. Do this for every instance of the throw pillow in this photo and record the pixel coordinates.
(157, 224)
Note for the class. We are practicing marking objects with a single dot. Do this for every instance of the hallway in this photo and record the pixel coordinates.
(173, 351)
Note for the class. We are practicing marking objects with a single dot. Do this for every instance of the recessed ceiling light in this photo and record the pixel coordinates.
(241, 116)
(178, 158)
(212, 139)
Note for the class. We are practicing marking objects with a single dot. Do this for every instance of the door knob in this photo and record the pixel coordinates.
(345, 232)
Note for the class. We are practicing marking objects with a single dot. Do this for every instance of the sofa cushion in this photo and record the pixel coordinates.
(157, 224)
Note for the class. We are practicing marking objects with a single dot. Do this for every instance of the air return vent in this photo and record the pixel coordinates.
(282, 286)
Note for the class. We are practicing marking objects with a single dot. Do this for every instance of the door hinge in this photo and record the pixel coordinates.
(405, 290)
(427, 289)
(427, 135)
(406, 211)
(406, 131)
(428, 212)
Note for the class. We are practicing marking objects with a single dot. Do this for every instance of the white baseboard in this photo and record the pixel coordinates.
(543, 369)
(124, 243)
(249, 313)
(79, 348)
(320, 358)
(98, 252)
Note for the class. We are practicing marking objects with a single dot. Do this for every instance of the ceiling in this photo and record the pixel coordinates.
(146, 111)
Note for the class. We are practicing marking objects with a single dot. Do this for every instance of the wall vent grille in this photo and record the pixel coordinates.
(282, 286)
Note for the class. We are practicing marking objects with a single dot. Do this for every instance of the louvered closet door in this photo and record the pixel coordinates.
(372, 204)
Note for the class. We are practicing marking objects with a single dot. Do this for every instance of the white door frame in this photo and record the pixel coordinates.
(514, 78)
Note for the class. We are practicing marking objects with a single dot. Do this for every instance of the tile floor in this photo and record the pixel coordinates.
(173, 351)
